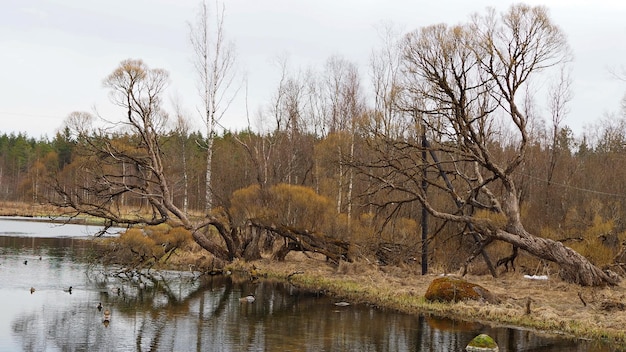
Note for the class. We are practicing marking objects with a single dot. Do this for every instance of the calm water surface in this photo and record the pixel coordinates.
(183, 311)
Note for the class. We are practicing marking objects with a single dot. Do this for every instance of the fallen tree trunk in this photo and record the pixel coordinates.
(303, 240)
(575, 268)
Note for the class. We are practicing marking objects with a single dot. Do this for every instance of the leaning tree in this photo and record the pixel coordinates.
(462, 86)
(121, 176)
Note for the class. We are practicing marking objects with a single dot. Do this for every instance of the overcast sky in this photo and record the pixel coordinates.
(54, 54)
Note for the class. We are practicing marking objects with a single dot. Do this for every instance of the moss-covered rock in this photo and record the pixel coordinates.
(482, 343)
(450, 289)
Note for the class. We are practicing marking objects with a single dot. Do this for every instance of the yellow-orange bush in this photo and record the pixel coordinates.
(149, 243)
(166, 236)
(289, 205)
(137, 242)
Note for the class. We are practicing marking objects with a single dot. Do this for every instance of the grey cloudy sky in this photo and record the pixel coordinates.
(54, 54)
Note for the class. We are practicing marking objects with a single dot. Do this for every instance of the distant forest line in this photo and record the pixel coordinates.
(571, 189)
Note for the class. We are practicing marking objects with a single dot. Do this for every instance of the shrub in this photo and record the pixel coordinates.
(148, 245)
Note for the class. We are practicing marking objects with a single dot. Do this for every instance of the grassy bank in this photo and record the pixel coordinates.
(28, 210)
(556, 307)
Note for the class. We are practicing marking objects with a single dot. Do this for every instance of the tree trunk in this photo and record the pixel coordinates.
(239, 242)
(282, 252)
(208, 192)
(251, 250)
(211, 246)
(575, 268)
(185, 179)
(334, 249)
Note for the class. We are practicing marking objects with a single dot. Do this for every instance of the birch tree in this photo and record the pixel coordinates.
(214, 61)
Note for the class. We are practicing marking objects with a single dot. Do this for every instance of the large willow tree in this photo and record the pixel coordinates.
(122, 178)
(463, 85)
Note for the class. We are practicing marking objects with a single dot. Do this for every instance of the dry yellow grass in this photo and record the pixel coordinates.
(27, 209)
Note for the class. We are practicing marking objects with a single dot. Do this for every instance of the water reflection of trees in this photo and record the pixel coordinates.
(56, 247)
(184, 312)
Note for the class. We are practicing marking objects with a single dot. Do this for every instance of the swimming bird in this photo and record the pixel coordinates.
(247, 299)
(342, 304)
(107, 318)
(68, 290)
(32, 290)
(99, 306)
(107, 315)
(25, 262)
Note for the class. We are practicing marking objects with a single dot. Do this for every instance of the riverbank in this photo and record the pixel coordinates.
(45, 213)
(556, 307)
(27, 210)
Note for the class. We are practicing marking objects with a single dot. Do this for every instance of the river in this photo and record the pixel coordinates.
(186, 311)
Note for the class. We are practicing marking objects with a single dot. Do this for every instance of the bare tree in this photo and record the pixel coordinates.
(288, 144)
(559, 96)
(620, 74)
(181, 130)
(523, 43)
(79, 123)
(349, 105)
(214, 61)
(107, 162)
(385, 64)
(464, 83)
(129, 163)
